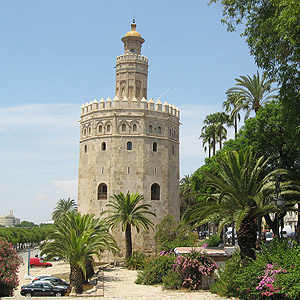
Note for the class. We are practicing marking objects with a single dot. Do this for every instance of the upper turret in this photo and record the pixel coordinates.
(132, 67)
(132, 41)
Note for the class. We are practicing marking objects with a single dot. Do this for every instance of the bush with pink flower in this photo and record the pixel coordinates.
(9, 267)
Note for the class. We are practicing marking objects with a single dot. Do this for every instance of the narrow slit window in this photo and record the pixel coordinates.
(123, 127)
(85, 148)
(103, 146)
(154, 147)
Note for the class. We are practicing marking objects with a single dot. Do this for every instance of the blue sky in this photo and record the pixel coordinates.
(58, 54)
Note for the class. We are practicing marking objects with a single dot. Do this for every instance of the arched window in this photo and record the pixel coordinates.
(170, 133)
(155, 191)
(159, 130)
(155, 147)
(134, 127)
(173, 150)
(103, 146)
(85, 148)
(84, 132)
(150, 129)
(89, 130)
(100, 128)
(129, 145)
(108, 128)
(102, 191)
(123, 127)
(174, 134)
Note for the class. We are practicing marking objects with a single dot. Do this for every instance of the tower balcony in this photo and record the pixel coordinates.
(131, 57)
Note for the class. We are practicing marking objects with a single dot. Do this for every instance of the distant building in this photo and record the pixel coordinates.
(9, 220)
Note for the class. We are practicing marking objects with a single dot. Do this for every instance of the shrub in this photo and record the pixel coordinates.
(273, 275)
(192, 266)
(214, 241)
(136, 261)
(172, 280)
(171, 234)
(9, 266)
(156, 268)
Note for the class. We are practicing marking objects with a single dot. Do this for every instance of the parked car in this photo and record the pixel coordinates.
(43, 288)
(54, 280)
(39, 262)
(269, 236)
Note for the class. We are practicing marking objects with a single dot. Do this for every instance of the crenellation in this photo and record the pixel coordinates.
(151, 104)
(102, 104)
(95, 105)
(166, 107)
(116, 102)
(108, 103)
(158, 105)
(144, 103)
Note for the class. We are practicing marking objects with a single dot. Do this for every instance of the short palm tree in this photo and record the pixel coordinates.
(62, 207)
(78, 238)
(128, 211)
(242, 188)
(256, 91)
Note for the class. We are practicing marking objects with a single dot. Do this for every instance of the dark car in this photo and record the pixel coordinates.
(43, 288)
(54, 280)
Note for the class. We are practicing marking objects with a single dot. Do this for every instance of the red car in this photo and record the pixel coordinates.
(39, 262)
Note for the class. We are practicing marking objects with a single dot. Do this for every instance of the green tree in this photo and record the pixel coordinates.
(77, 238)
(187, 197)
(234, 103)
(241, 187)
(209, 136)
(272, 31)
(255, 91)
(62, 207)
(128, 211)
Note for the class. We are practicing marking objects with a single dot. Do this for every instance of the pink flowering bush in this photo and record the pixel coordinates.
(274, 275)
(192, 267)
(9, 267)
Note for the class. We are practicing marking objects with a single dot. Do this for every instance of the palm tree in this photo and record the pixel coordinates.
(186, 193)
(77, 238)
(242, 188)
(127, 211)
(209, 136)
(62, 207)
(234, 104)
(215, 124)
(256, 91)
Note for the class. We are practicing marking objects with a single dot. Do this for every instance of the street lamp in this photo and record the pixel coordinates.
(279, 201)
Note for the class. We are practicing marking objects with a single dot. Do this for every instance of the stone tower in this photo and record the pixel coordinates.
(130, 144)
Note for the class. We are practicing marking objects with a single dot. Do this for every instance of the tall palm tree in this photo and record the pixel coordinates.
(62, 207)
(234, 103)
(128, 211)
(209, 137)
(215, 124)
(242, 188)
(187, 197)
(256, 91)
(77, 238)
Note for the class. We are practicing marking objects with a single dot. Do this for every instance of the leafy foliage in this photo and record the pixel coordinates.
(78, 238)
(214, 241)
(136, 261)
(171, 234)
(63, 206)
(156, 268)
(273, 275)
(9, 267)
(272, 31)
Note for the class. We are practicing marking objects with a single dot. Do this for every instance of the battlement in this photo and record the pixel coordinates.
(133, 57)
(133, 104)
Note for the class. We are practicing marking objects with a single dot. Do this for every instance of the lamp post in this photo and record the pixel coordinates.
(280, 202)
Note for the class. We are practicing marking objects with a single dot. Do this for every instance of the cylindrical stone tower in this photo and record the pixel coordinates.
(129, 144)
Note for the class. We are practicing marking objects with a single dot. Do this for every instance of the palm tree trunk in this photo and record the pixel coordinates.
(220, 135)
(247, 238)
(76, 277)
(89, 268)
(128, 241)
(235, 125)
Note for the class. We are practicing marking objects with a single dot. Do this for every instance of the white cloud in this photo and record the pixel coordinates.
(68, 188)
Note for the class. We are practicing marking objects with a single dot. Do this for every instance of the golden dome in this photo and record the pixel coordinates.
(133, 31)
